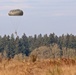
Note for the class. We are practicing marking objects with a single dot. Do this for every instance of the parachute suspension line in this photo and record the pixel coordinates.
(18, 23)
(13, 24)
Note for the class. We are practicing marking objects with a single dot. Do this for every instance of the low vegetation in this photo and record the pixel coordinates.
(39, 67)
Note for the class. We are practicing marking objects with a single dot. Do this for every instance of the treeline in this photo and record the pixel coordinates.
(11, 46)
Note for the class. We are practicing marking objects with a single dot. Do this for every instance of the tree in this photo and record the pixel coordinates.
(45, 40)
(51, 38)
(60, 43)
(16, 42)
(25, 45)
(40, 40)
(30, 42)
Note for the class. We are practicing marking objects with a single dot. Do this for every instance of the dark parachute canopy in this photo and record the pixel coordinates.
(15, 12)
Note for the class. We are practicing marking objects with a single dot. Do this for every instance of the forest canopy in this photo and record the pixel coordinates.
(65, 45)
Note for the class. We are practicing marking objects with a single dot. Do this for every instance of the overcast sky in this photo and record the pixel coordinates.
(40, 16)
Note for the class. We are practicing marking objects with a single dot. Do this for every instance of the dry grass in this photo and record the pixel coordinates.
(40, 67)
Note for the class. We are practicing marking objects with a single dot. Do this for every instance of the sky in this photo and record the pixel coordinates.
(40, 17)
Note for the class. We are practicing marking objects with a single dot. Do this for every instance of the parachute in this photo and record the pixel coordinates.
(15, 21)
(15, 12)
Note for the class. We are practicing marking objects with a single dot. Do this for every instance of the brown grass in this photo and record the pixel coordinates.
(40, 67)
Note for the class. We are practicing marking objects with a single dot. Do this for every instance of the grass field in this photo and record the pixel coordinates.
(39, 67)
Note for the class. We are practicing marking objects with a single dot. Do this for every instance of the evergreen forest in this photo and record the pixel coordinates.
(50, 46)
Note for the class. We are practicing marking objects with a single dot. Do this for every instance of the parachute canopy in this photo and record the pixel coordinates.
(15, 12)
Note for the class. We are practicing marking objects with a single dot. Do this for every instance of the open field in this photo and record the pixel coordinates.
(39, 67)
